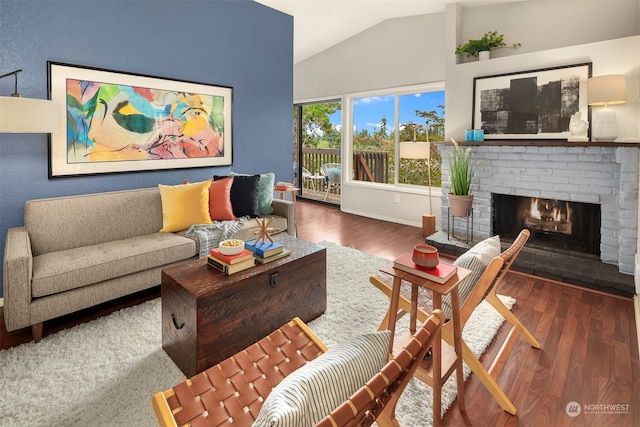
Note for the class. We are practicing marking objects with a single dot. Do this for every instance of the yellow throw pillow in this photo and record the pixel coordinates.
(184, 205)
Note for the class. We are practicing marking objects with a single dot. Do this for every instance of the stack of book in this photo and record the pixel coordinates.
(440, 273)
(283, 186)
(230, 264)
(266, 252)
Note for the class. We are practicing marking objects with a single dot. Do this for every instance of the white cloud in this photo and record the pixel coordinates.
(371, 100)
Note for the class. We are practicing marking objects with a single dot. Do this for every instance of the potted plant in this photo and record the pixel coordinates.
(490, 40)
(461, 174)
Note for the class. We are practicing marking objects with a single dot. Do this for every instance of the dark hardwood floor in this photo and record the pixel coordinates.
(589, 351)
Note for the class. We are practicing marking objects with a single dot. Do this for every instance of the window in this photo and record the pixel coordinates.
(382, 120)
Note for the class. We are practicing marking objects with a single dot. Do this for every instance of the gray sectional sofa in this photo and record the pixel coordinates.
(79, 251)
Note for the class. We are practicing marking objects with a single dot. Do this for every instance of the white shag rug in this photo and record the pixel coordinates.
(103, 373)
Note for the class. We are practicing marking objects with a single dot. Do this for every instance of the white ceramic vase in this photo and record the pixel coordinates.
(484, 55)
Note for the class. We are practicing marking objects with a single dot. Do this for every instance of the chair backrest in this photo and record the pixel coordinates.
(509, 255)
(493, 275)
(377, 398)
(332, 171)
(305, 172)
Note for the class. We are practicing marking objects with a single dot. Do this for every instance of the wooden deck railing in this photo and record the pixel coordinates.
(370, 166)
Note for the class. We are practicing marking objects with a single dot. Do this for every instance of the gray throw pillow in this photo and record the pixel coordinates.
(311, 392)
(475, 259)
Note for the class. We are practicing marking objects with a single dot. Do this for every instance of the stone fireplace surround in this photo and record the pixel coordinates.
(592, 172)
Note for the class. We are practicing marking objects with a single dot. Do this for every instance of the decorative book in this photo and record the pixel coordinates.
(440, 273)
(264, 250)
(282, 254)
(231, 259)
(230, 268)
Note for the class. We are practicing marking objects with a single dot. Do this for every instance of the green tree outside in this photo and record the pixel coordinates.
(319, 132)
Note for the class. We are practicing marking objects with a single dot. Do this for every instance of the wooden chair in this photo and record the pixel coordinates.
(219, 395)
(485, 288)
(376, 400)
(232, 392)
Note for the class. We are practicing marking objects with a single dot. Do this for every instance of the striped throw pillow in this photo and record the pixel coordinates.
(311, 392)
(475, 259)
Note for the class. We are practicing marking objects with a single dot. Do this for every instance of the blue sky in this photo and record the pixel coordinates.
(368, 111)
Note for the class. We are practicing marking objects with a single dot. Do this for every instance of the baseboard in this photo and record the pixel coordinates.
(636, 304)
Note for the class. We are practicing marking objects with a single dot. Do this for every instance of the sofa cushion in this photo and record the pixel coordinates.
(312, 391)
(97, 218)
(220, 207)
(60, 271)
(244, 194)
(184, 205)
(265, 191)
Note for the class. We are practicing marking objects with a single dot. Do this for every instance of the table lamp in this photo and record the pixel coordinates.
(26, 115)
(421, 151)
(606, 90)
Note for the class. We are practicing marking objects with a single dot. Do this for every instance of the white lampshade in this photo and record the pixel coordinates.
(28, 115)
(418, 151)
(415, 150)
(606, 90)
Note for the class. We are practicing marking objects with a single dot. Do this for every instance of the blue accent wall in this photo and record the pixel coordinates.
(235, 43)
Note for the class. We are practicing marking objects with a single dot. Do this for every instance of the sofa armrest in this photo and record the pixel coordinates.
(17, 273)
(287, 209)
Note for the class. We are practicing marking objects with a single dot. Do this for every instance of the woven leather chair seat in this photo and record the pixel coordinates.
(232, 392)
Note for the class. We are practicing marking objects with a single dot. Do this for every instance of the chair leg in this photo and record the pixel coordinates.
(384, 325)
(479, 371)
(387, 418)
(493, 299)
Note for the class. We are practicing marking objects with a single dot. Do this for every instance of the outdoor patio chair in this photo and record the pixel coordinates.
(233, 392)
(333, 175)
(484, 289)
(307, 177)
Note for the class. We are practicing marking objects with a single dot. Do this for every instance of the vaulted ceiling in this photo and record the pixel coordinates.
(320, 24)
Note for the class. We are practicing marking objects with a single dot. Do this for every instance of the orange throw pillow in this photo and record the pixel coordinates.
(220, 208)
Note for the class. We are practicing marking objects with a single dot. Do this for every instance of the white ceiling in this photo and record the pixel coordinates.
(320, 24)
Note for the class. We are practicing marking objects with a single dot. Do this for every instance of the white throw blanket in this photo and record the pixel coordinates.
(210, 235)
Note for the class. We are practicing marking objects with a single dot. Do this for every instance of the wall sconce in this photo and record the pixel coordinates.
(421, 151)
(606, 90)
(26, 115)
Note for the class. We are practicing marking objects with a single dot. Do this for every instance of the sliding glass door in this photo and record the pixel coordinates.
(317, 137)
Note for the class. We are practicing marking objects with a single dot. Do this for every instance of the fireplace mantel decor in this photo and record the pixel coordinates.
(536, 104)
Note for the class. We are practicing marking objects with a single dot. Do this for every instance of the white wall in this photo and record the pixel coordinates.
(418, 50)
(618, 56)
(396, 52)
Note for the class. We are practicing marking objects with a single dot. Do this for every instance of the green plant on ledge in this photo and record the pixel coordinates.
(461, 170)
(490, 40)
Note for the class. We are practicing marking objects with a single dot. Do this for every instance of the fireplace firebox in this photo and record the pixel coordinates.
(556, 225)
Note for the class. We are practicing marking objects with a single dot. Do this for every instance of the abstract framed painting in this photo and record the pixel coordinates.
(121, 122)
(536, 104)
